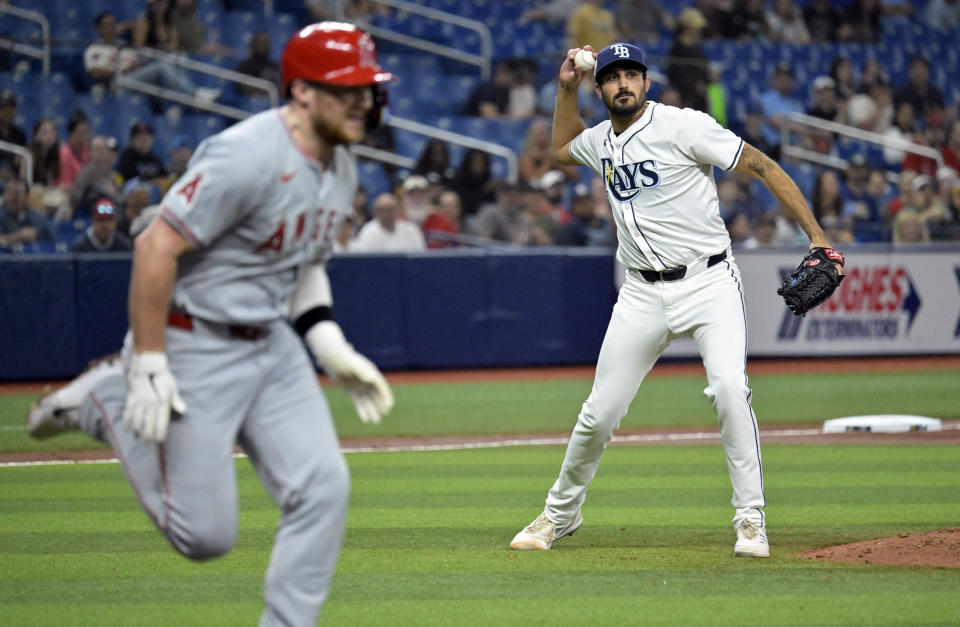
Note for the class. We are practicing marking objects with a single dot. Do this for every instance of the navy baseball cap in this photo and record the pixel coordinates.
(618, 53)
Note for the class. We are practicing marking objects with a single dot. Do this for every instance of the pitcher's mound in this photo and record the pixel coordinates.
(931, 548)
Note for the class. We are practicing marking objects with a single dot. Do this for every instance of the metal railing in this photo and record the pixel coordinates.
(467, 141)
(482, 60)
(43, 52)
(207, 68)
(807, 121)
(24, 154)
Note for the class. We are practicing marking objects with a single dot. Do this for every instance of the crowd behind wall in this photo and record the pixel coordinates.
(89, 188)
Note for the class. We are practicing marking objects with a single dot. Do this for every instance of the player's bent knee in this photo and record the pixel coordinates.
(204, 542)
(727, 390)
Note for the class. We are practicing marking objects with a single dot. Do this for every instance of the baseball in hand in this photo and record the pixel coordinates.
(584, 60)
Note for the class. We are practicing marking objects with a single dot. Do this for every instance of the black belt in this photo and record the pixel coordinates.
(184, 321)
(675, 274)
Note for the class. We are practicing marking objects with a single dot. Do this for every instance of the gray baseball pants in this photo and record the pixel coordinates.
(262, 393)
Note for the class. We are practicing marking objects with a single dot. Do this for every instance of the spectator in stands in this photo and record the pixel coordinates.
(942, 15)
(841, 71)
(910, 228)
(872, 109)
(553, 184)
(152, 28)
(823, 105)
(764, 230)
(947, 226)
(76, 150)
(932, 136)
(918, 90)
(138, 158)
(554, 12)
(491, 99)
(738, 228)
(721, 16)
(98, 179)
(536, 155)
(753, 130)
(585, 228)
(827, 198)
(259, 65)
(442, 225)
(180, 154)
(388, 232)
(855, 178)
(592, 109)
(777, 102)
(45, 150)
(904, 190)
(505, 219)
(102, 236)
(871, 72)
(821, 19)
(924, 199)
(951, 148)
(414, 199)
(18, 223)
(189, 31)
(10, 132)
(785, 23)
(103, 58)
(543, 225)
(522, 103)
(669, 96)
(687, 68)
(138, 194)
(434, 162)
(861, 21)
(474, 181)
(642, 20)
(867, 211)
(903, 128)
(361, 213)
(591, 23)
(750, 21)
(823, 99)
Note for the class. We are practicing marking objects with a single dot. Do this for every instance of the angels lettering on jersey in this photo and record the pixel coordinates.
(289, 233)
(628, 180)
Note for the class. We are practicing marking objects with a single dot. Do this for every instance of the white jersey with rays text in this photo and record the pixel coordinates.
(658, 174)
(256, 210)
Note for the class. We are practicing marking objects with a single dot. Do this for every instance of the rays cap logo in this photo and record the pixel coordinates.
(618, 53)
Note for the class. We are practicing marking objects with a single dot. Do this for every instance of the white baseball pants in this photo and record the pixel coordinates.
(708, 305)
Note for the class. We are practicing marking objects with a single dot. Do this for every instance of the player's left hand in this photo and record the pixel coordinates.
(362, 380)
(356, 374)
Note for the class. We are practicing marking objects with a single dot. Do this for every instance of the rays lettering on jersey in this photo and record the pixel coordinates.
(626, 181)
(290, 233)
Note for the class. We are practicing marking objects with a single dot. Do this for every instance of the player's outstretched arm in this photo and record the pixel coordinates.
(758, 165)
(151, 388)
(312, 314)
(567, 123)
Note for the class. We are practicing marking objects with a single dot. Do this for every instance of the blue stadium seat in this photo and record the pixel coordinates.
(373, 178)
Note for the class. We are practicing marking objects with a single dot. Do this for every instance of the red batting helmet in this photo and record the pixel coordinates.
(335, 53)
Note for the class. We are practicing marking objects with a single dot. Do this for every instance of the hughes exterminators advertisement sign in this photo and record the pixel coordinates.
(892, 302)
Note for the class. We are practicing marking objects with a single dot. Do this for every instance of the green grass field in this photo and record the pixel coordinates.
(428, 532)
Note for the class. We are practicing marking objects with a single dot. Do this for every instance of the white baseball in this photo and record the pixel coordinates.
(584, 60)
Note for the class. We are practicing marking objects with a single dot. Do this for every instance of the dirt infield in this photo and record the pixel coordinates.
(939, 548)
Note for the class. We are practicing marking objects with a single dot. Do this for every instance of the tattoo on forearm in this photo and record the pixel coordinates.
(759, 162)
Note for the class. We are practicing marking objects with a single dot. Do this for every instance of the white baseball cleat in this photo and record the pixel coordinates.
(751, 540)
(56, 410)
(47, 417)
(543, 532)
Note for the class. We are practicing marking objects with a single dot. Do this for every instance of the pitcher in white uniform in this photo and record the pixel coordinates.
(236, 253)
(657, 165)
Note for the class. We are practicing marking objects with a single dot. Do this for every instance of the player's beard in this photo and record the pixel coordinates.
(335, 133)
(630, 108)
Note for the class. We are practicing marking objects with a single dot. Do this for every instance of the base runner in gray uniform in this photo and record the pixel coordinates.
(236, 254)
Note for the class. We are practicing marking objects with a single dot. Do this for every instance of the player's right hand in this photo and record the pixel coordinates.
(151, 396)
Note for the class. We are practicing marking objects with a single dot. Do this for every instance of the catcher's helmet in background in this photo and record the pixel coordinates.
(334, 53)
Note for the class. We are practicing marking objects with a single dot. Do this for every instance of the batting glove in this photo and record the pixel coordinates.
(151, 396)
(357, 375)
